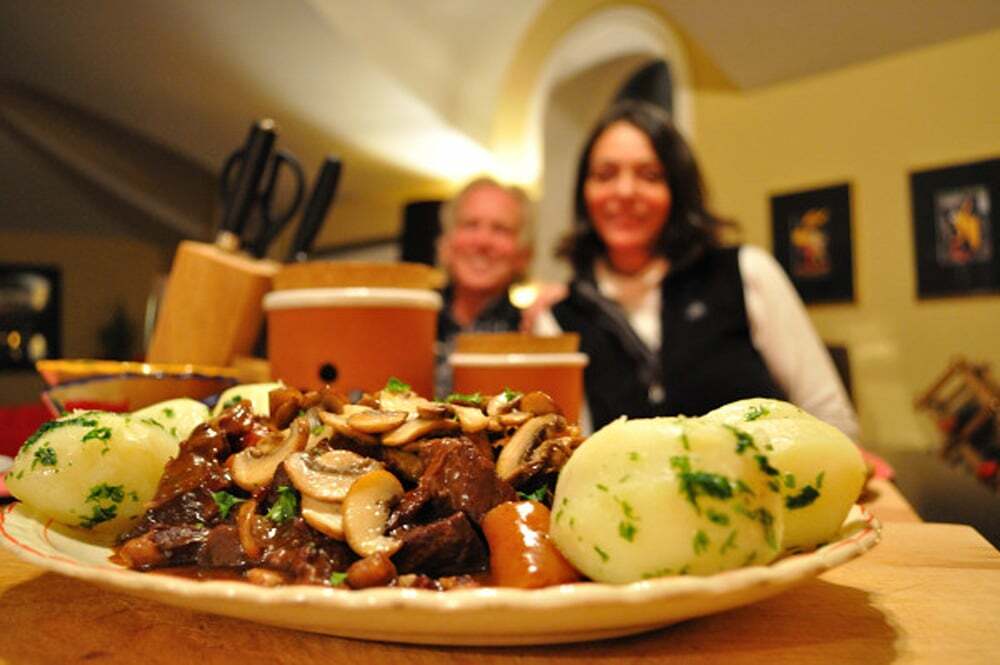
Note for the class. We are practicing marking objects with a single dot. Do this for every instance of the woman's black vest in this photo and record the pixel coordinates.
(706, 357)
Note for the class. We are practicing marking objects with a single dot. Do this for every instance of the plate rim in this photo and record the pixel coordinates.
(861, 532)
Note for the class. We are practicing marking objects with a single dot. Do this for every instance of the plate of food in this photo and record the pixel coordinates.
(473, 520)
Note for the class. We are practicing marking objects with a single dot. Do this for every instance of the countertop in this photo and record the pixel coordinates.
(928, 593)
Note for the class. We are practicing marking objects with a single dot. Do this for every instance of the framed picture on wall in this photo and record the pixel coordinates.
(956, 213)
(811, 231)
(29, 315)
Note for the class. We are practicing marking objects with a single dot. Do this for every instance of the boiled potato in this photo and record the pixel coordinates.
(750, 410)
(91, 469)
(822, 471)
(665, 496)
(256, 393)
(179, 416)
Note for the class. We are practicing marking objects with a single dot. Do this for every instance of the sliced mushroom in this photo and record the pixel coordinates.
(538, 403)
(403, 401)
(514, 418)
(502, 403)
(317, 435)
(412, 430)
(328, 477)
(254, 467)
(522, 443)
(471, 419)
(435, 410)
(366, 512)
(377, 422)
(349, 410)
(246, 515)
(340, 425)
(324, 516)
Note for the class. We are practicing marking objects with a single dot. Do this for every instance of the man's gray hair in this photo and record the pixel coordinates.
(526, 206)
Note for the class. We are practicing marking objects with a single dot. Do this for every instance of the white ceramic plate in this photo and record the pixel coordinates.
(487, 616)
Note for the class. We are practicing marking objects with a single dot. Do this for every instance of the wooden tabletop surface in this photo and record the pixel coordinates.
(929, 593)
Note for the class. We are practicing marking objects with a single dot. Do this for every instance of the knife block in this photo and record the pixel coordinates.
(211, 310)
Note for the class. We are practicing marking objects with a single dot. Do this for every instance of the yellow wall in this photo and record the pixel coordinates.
(870, 125)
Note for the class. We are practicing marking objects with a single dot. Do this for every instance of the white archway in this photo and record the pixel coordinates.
(586, 67)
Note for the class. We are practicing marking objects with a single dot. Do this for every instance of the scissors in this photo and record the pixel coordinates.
(248, 184)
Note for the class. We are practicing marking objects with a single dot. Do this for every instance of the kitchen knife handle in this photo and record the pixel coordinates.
(316, 209)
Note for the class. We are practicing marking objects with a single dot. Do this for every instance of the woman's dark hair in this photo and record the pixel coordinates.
(690, 228)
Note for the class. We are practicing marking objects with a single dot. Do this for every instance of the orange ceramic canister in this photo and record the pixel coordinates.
(352, 338)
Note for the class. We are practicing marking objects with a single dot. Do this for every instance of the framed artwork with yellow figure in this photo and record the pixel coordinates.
(956, 212)
(811, 231)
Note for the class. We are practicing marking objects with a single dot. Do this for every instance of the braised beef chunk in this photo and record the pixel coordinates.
(188, 509)
(196, 465)
(179, 544)
(459, 476)
(222, 548)
(449, 546)
(305, 554)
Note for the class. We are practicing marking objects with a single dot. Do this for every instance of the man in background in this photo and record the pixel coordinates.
(485, 246)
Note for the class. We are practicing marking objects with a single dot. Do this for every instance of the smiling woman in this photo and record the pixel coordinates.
(673, 321)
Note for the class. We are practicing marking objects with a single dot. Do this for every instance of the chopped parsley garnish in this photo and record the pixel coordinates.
(775, 487)
(100, 514)
(627, 531)
(700, 483)
(284, 508)
(755, 412)
(154, 423)
(766, 520)
(700, 542)
(730, 542)
(662, 572)
(559, 516)
(105, 492)
(626, 508)
(317, 430)
(765, 465)
(602, 487)
(45, 456)
(465, 398)
(802, 499)
(232, 401)
(743, 488)
(538, 495)
(743, 440)
(633, 456)
(168, 412)
(684, 440)
(750, 558)
(337, 579)
(225, 501)
(510, 395)
(133, 495)
(819, 480)
(601, 553)
(395, 385)
(717, 518)
(789, 481)
(99, 433)
(56, 424)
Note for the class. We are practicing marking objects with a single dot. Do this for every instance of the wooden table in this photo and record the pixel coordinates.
(929, 593)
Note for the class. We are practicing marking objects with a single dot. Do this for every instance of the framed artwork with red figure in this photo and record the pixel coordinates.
(811, 231)
(956, 212)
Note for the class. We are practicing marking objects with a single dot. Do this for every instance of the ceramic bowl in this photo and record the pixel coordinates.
(126, 386)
